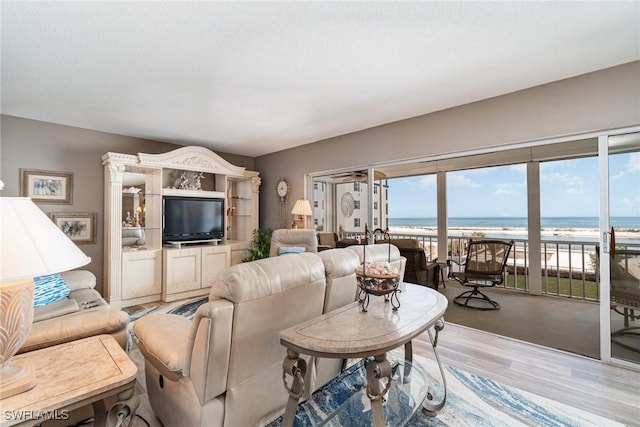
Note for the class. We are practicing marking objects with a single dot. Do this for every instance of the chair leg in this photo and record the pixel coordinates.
(475, 294)
(633, 331)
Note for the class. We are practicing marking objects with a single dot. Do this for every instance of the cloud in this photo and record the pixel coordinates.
(520, 168)
(427, 181)
(459, 180)
(562, 178)
(630, 202)
(408, 182)
(503, 189)
(573, 190)
(631, 167)
(561, 164)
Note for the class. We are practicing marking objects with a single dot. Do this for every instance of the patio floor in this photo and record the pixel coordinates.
(556, 322)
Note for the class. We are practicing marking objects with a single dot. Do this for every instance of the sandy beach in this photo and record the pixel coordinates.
(586, 234)
(581, 240)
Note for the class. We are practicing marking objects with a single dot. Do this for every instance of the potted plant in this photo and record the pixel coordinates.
(260, 245)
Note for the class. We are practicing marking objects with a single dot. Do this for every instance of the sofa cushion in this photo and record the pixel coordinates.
(286, 250)
(55, 309)
(48, 289)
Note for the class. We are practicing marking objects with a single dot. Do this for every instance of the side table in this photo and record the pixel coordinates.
(73, 375)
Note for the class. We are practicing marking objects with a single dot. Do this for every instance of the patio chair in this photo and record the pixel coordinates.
(483, 267)
(327, 240)
(625, 295)
(418, 270)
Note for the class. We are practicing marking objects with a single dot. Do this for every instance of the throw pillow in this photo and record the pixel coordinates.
(49, 289)
(286, 250)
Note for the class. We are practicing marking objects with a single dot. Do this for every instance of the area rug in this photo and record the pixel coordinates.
(472, 400)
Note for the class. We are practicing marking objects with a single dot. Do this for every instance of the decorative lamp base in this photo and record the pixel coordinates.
(16, 378)
(16, 315)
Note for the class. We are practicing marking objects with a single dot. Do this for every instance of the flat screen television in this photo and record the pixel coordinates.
(186, 219)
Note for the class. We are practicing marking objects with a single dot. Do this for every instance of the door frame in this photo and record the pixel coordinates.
(605, 262)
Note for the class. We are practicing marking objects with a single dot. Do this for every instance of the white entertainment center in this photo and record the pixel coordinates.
(142, 269)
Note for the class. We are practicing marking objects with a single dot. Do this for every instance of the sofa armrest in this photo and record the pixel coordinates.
(70, 328)
(162, 339)
(209, 348)
(79, 279)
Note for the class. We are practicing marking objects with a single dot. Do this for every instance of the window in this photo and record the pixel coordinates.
(356, 222)
(356, 204)
(356, 187)
(412, 201)
(496, 195)
(375, 205)
(315, 203)
(568, 188)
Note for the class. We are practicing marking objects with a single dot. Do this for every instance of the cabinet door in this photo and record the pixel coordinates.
(214, 261)
(141, 273)
(181, 270)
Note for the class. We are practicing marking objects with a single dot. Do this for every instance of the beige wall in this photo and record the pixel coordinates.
(601, 100)
(31, 144)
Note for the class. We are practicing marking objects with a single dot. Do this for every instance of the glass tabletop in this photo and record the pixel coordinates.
(409, 387)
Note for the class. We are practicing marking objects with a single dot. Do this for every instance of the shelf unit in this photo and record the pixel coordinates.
(140, 274)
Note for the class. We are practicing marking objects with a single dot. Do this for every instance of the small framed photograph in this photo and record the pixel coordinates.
(47, 187)
(79, 227)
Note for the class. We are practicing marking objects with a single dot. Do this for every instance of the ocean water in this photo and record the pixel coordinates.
(573, 222)
(516, 227)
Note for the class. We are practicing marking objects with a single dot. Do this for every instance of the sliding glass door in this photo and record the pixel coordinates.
(620, 248)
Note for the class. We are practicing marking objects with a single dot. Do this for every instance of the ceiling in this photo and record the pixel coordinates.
(251, 78)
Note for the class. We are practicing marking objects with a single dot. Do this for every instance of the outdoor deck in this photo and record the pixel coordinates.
(565, 317)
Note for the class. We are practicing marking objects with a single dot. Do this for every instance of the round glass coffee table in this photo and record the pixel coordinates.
(349, 333)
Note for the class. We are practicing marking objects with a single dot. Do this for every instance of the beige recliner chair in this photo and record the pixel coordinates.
(293, 238)
(224, 368)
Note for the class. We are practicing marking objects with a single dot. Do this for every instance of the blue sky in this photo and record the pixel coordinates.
(567, 188)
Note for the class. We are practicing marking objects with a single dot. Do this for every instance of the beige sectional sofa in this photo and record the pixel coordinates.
(82, 314)
(224, 368)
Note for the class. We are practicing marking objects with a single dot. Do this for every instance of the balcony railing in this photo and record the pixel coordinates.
(569, 268)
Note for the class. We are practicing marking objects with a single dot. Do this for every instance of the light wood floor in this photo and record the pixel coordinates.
(579, 381)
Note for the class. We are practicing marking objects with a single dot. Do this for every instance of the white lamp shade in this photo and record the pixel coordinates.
(302, 207)
(32, 245)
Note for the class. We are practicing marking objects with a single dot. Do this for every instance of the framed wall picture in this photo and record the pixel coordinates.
(46, 186)
(79, 227)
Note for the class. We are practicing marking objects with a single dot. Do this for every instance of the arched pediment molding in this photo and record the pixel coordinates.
(191, 158)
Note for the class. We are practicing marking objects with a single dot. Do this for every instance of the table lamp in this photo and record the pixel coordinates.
(32, 246)
(302, 208)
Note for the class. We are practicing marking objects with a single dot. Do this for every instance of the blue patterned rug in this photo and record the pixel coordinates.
(472, 400)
